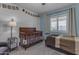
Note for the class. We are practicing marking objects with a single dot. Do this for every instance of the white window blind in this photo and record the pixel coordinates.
(59, 23)
(53, 24)
(62, 23)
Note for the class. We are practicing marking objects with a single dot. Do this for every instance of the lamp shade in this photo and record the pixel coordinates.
(12, 23)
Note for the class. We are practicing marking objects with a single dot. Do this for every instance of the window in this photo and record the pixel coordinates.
(58, 23)
(62, 23)
(53, 24)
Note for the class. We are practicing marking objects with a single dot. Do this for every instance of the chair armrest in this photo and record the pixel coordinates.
(2, 44)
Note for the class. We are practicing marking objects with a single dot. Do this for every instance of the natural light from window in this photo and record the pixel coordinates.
(53, 24)
(62, 23)
(58, 23)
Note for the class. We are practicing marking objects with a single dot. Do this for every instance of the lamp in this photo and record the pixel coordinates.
(43, 4)
(12, 24)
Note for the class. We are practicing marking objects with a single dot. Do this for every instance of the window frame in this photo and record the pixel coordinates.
(56, 25)
(57, 16)
(66, 22)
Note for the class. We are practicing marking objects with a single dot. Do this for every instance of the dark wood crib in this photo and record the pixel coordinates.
(29, 36)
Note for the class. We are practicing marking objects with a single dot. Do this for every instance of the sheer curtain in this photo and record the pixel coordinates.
(72, 23)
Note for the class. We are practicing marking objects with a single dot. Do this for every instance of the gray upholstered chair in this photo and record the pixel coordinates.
(4, 48)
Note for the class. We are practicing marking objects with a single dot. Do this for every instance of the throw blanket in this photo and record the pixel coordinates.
(57, 42)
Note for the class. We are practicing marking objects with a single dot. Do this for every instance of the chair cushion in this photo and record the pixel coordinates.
(3, 49)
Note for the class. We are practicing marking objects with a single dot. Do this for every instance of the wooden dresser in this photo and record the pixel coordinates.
(68, 44)
(50, 41)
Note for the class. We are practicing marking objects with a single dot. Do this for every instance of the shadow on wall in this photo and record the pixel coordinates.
(5, 35)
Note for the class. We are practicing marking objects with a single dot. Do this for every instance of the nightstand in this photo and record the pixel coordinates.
(50, 41)
(12, 43)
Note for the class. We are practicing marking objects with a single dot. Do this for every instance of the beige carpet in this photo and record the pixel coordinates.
(38, 49)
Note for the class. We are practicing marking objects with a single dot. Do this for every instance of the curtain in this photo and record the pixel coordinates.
(72, 22)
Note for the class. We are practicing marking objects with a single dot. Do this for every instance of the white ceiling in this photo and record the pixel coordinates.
(38, 8)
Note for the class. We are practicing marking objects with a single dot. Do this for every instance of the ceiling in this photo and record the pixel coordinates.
(38, 8)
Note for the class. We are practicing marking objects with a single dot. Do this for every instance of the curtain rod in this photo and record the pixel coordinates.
(58, 11)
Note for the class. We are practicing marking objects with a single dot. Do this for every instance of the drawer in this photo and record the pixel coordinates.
(50, 41)
(69, 43)
(68, 49)
(68, 46)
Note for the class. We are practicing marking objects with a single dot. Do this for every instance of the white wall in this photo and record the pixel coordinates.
(20, 17)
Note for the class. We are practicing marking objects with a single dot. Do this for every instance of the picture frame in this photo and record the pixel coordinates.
(17, 8)
(4, 6)
(26, 12)
(9, 7)
(23, 10)
(13, 7)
